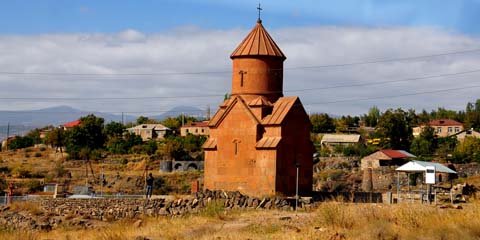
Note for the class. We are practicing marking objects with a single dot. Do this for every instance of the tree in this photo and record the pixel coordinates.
(468, 151)
(472, 115)
(56, 139)
(394, 125)
(114, 129)
(88, 135)
(322, 123)
(145, 120)
(426, 143)
(20, 142)
(371, 119)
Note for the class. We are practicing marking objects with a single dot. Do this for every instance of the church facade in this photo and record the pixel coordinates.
(259, 137)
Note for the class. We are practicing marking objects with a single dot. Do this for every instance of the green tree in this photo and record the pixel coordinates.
(145, 120)
(371, 119)
(472, 115)
(426, 143)
(88, 135)
(322, 123)
(468, 151)
(114, 129)
(20, 142)
(394, 125)
(56, 139)
(150, 147)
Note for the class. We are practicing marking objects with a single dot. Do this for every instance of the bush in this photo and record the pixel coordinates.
(42, 149)
(33, 186)
(37, 154)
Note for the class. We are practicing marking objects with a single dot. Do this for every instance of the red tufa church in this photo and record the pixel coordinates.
(258, 136)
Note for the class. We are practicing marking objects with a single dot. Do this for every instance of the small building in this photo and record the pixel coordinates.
(149, 131)
(467, 133)
(443, 127)
(195, 128)
(385, 158)
(70, 125)
(332, 140)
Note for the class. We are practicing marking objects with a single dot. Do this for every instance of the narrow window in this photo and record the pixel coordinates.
(236, 148)
(241, 77)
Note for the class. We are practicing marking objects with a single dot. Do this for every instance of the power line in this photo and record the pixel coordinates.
(225, 71)
(220, 95)
(396, 96)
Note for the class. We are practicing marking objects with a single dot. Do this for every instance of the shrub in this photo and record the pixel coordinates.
(37, 154)
(33, 186)
(42, 149)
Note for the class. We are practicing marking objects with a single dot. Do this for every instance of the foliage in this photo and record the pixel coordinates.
(145, 120)
(84, 138)
(114, 129)
(33, 186)
(181, 148)
(345, 122)
(20, 142)
(371, 119)
(426, 143)
(472, 115)
(322, 123)
(35, 136)
(56, 138)
(3, 183)
(468, 151)
(150, 147)
(394, 125)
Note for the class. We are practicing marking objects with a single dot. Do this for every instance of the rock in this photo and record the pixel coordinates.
(138, 224)
(285, 218)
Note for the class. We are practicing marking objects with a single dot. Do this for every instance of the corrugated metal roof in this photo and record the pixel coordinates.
(258, 43)
(341, 138)
(211, 143)
(196, 124)
(280, 109)
(397, 153)
(420, 166)
(268, 142)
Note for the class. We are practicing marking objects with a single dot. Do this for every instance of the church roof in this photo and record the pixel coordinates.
(258, 43)
(268, 142)
(259, 102)
(280, 110)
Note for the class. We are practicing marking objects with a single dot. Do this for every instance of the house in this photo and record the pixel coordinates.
(385, 158)
(259, 139)
(149, 131)
(70, 125)
(195, 128)
(443, 127)
(467, 133)
(332, 140)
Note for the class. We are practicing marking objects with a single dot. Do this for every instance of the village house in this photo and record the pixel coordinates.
(259, 139)
(467, 133)
(385, 158)
(443, 127)
(70, 125)
(195, 128)
(332, 140)
(149, 131)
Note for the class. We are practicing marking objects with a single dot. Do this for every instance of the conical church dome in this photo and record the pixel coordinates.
(258, 43)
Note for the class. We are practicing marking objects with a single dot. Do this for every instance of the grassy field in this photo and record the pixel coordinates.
(330, 220)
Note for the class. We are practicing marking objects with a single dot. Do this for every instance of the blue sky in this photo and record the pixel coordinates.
(88, 49)
(59, 16)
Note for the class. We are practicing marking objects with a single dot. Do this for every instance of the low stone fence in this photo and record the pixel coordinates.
(82, 212)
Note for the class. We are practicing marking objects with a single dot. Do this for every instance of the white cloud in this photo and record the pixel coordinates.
(193, 50)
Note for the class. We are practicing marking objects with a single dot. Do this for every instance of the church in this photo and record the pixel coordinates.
(258, 137)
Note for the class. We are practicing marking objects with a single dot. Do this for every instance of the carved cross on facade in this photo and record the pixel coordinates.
(241, 77)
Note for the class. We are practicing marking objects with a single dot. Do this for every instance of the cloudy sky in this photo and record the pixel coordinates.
(146, 57)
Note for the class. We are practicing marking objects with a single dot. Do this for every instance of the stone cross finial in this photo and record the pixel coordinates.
(259, 9)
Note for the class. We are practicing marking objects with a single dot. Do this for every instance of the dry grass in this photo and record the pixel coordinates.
(330, 220)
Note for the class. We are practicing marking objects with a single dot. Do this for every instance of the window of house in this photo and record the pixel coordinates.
(147, 131)
(203, 130)
(450, 129)
(186, 130)
(439, 130)
(196, 130)
(457, 129)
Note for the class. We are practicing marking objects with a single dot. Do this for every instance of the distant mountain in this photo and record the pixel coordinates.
(186, 110)
(52, 116)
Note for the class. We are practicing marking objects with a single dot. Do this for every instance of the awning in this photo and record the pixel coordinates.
(421, 166)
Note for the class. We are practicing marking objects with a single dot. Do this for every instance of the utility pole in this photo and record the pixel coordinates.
(8, 135)
(208, 112)
(123, 122)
